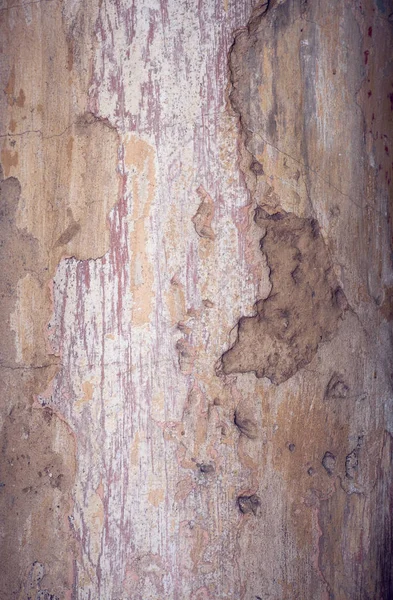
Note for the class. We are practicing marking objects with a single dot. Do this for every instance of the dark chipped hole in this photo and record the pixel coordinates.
(310, 471)
(257, 168)
(315, 228)
(249, 504)
(261, 213)
(206, 468)
(46, 595)
(297, 275)
(47, 414)
(340, 298)
(329, 462)
(56, 482)
(351, 464)
(336, 388)
(246, 426)
(291, 447)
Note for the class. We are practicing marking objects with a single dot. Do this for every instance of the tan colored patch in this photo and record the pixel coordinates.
(140, 160)
(87, 388)
(156, 497)
(9, 159)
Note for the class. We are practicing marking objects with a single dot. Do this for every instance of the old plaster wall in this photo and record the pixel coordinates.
(196, 294)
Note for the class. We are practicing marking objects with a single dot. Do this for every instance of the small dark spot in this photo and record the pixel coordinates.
(329, 462)
(315, 229)
(206, 468)
(47, 414)
(249, 504)
(351, 464)
(67, 235)
(257, 168)
(366, 53)
(336, 388)
(246, 426)
(340, 298)
(297, 275)
(56, 481)
(46, 595)
(334, 71)
(310, 471)
(370, 32)
(291, 447)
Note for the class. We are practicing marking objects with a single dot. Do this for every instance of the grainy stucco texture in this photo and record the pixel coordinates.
(196, 287)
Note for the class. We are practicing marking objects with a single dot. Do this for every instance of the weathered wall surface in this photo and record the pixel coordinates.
(196, 295)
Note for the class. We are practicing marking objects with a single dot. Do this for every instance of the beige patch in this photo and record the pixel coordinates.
(156, 497)
(140, 160)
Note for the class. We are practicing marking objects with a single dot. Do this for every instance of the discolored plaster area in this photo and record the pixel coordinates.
(320, 178)
(37, 474)
(37, 461)
(58, 183)
(20, 249)
(166, 471)
(304, 305)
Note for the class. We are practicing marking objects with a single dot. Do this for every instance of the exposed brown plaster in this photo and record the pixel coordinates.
(61, 181)
(9, 159)
(20, 255)
(37, 464)
(300, 158)
(302, 309)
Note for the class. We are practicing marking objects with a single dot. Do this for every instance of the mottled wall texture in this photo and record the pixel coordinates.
(196, 300)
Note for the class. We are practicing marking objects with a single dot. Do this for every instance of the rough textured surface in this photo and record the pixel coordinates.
(133, 165)
(303, 306)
